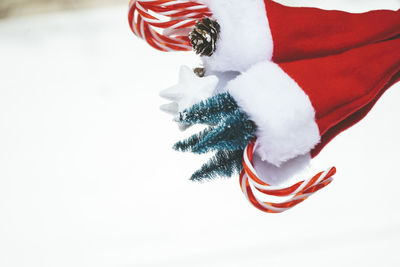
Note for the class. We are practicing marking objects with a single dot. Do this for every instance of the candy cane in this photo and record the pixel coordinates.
(175, 17)
(297, 192)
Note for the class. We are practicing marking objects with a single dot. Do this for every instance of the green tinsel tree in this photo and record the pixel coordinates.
(229, 131)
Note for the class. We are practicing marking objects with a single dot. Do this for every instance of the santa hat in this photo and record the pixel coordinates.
(255, 30)
(307, 74)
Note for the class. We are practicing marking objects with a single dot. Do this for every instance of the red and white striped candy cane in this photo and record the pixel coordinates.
(174, 17)
(297, 192)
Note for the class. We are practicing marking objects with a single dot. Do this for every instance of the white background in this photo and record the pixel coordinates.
(88, 176)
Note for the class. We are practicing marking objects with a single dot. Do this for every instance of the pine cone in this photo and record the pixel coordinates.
(200, 72)
(204, 36)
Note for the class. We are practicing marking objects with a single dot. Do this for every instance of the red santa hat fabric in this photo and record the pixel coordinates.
(343, 88)
(255, 30)
(306, 74)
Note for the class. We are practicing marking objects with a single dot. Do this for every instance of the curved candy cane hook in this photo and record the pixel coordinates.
(297, 192)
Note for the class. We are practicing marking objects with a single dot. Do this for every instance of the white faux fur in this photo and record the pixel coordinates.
(245, 37)
(282, 111)
(223, 79)
(278, 175)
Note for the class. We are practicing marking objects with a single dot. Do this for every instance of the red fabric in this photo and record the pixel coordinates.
(343, 61)
(351, 120)
(344, 87)
(303, 33)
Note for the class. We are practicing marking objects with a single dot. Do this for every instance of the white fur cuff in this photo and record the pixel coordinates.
(245, 37)
(280, 108)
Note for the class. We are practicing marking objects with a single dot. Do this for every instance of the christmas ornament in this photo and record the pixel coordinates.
(204, 36)
(290, 80)
(199, 72)
(190, 90)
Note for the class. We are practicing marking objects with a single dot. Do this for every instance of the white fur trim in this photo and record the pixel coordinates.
(282, 111)
(245, 36)
(278, 175)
